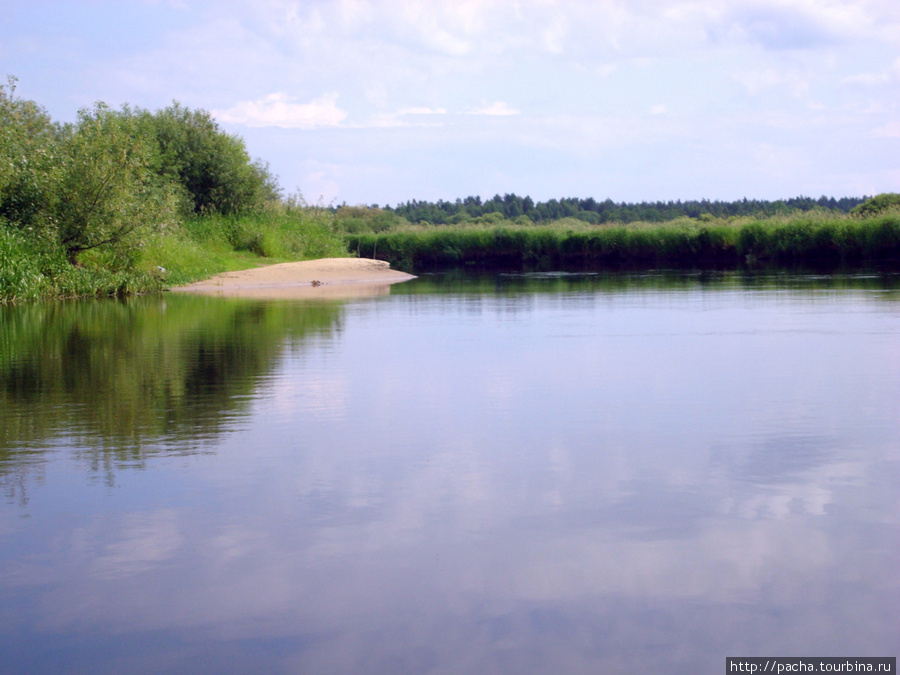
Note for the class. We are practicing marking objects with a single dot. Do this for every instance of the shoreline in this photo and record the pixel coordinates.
(321, 278)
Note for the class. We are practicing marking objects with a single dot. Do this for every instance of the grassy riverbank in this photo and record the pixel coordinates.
(131, 201)
(815, 239)
(198, 247)
(195, 248)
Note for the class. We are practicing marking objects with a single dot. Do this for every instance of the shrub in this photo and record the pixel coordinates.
(211, 167)
(105, 192)
(28, 159)
(878, 204)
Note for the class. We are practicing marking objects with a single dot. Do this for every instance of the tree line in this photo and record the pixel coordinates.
(512, 207)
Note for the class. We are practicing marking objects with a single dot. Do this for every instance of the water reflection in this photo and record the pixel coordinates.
(584, 480)
(118, 381)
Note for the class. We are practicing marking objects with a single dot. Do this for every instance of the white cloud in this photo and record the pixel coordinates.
(788, 24)
(606, 69)
(356, 13)
(498, 108)
(555, 34)
(280, 110)
(418, 116)
(875, 79)
(889, 130)
(422, 111)
(867, 79)
(437, 26)
(757, 81)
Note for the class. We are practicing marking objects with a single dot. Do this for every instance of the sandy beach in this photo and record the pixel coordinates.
(323, 278)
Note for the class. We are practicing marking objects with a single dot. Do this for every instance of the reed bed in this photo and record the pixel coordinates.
(810, 240)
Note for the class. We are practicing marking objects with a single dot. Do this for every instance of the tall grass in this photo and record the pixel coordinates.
(196, 248)
(277, 232)
(817, 239)
(21, 277)
(207, 245)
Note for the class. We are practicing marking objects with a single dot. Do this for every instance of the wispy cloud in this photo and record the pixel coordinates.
(554, 35)
(889, 130)
(788, 24)
(498, 108)
(757, 81)
(281, 110)
(422, 111)
(875, 79)
(405, 117)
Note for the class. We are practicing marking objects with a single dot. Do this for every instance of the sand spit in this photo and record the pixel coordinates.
(323, 278)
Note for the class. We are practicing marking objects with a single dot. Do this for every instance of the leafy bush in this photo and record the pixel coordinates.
(28, 159)
(96, 207)
(106, 193)
(211, 167)
(365, 219)
(878, 204)
(80, 186)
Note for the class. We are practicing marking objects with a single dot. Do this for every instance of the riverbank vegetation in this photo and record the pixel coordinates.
(867, 236)
(128, 201)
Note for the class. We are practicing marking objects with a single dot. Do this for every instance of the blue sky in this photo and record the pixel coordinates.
(380, 102)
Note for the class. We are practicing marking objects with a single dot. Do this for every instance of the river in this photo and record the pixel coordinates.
(546, 473)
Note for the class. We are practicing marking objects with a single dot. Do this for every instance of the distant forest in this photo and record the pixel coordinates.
(512, 207)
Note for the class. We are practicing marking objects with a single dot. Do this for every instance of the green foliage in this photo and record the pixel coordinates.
(199, 248)
(20, 273)
(28, 159)
(67, 190)
(281, 233)
(365, 219)
(29, 272)
(106, 193)
(511, 206)
(878, 204)
(209, 244)
(129, 201)
(211, 167)
(569, 244)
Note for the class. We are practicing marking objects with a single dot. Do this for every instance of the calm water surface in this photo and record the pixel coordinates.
(544, 474)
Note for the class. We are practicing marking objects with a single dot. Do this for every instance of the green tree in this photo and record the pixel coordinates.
(106, 192)
(29, 143)
(878, 204)
(212, 168)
